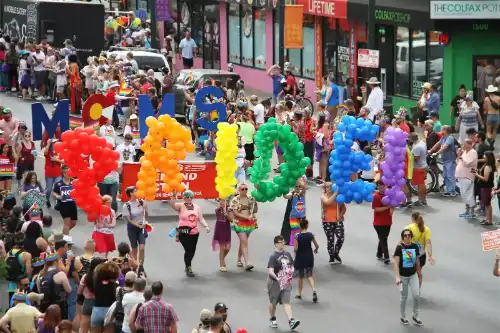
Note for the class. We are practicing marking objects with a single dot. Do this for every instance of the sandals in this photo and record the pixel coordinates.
(239, 264)
(223, 269)
(484, 222)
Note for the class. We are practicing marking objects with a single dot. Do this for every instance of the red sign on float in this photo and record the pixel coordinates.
(328, 8)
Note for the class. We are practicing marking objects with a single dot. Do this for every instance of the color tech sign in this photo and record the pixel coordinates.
(465, 9)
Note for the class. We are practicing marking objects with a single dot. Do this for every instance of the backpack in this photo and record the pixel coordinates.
(85, 267)
(119, 313)
(47, 288)
(14, 267)
(8, 240)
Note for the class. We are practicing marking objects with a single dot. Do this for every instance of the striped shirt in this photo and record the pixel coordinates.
(156, 316)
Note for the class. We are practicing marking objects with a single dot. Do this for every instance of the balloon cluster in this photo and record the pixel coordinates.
(344, 161)
(227, 151)
(293, 168)
(123, 21)
(393, 167)
(75, 148)
(165, 159)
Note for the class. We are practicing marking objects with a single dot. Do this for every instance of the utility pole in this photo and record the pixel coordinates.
(372, 40)
(154, 26)
(281, 20)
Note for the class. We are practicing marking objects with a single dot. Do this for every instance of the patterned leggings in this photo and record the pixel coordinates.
(332, 230)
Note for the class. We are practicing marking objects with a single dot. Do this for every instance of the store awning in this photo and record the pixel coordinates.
(408, 13)
(328, 8)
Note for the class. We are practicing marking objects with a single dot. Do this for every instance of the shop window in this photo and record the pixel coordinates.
(329, 46)
(402, 61)
(197, 27)
(435, 61)
(247, 38)
(418, 62)
(343, 51)
(188, 17)
(234, 33)
(259, 24)
(308, 61)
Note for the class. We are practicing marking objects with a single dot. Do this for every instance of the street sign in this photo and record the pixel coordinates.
(368, 58)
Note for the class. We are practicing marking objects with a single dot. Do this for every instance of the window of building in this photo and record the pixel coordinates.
(234, 33)
(259, 24)
(419, 59)
(246, 31)
(402, 61)
(343, 51)
(189, 17)
(418, 62)
(329, 46)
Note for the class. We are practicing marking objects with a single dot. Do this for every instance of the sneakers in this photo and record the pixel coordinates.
(404, 321)
(387, 261)
(273, 323)
(332, 260)
(407, 204)
(338, 259)
(380, 258)
(464, 214)
(417, 321)
(448, 194)
(420, 203)
(468, 215)
(294, 323)
(315, 297)
(189, 272)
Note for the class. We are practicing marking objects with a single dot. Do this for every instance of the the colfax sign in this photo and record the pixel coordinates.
(329, 8)
(486, 9)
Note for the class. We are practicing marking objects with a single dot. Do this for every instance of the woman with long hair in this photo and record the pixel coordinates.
(222, 233)
(189, 217)
(51, 319)
(66, 205)
(322, 147)
(33, 232)
(53, 171)
(86, 291)
(24, 258)
(422, 237)
(75, 83)
(6, 159)
(31, 183)
(103, 230)
(243, 208)
(105, 282)
(486, 179)
(25, 157)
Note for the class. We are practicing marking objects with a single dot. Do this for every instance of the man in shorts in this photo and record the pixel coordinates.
(419, 151)
(40, 72)
(279, 282)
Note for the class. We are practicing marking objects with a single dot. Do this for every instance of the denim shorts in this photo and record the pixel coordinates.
(493, 119)
(136, 237)
(98, 316)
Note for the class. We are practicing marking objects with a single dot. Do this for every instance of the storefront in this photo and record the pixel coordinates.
(472, 53)
(410, 52)
(202, 19)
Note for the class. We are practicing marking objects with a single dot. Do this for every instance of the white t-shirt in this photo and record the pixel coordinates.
(127, 152)
(129, 301)
(39, 57)
(108, 132)
(259, 112)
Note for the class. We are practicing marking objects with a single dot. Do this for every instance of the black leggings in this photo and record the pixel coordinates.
(13, 76)
(189, 243)
(383, 233)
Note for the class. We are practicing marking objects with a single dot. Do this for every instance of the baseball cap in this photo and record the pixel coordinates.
(205, 315)
(130, 276)
(220, 306)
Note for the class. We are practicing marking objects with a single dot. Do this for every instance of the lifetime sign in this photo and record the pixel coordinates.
(396, 17)
(465, 10)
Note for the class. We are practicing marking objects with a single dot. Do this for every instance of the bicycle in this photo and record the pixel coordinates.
(301, 99)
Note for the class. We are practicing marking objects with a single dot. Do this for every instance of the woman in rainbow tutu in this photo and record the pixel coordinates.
(295, 211)
(243, 209)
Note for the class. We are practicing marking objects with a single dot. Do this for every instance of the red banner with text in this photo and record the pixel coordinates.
(199, 177)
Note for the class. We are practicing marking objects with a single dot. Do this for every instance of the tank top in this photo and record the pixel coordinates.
(27, 158)
(333, 101)
(189, 218)
(105, 294)
(298, 207)
(489, 183)
(330, 212)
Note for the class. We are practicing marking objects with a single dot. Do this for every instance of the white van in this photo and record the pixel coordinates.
(154, 60)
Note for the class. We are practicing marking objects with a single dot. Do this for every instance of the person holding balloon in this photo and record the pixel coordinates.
(382, 222)
(332, 215)
(189, 217)
(65, 202)
(243, 208)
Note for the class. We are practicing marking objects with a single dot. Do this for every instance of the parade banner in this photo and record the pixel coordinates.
(294, 35)
(6, 170)
(199, 177)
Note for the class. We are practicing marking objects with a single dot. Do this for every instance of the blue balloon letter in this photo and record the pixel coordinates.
(201, 106)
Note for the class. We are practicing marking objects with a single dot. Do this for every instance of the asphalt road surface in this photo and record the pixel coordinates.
(459, 293)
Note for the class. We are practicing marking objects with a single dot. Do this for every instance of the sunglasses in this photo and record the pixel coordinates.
(407, 235)
(243, 188)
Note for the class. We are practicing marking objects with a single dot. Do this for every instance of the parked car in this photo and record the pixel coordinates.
(198, 76)
(145, 58)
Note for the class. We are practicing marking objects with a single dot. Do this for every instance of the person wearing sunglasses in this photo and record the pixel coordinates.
(243, 208)
(189, 217)
(408, 274)
(25, 157)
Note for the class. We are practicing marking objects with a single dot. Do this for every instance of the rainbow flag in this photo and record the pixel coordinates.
(124, 89)
(7, 170)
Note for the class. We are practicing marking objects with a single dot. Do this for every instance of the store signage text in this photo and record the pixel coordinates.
(486, 9)
(329, 8)
(479, 27)
(396, 17)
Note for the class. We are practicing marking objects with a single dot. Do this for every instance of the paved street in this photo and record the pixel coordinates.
(460, 294)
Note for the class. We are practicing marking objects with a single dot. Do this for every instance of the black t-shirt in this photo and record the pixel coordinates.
(455, 103)
(64, 191)
(408, 256)
(481, 148)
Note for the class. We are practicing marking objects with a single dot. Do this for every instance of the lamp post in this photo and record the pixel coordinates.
(281, 20)
(152, 6)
